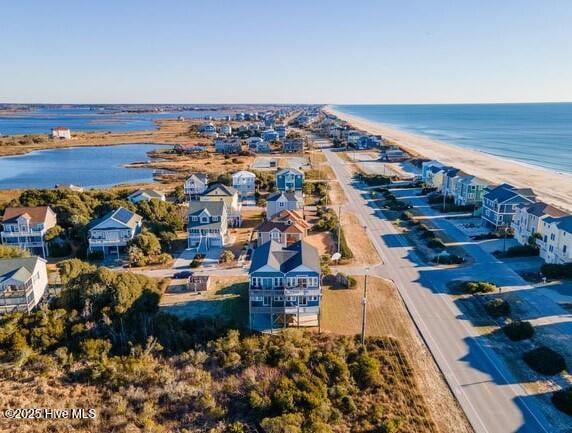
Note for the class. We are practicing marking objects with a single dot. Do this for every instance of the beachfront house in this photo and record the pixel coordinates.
(146, 195)
(269, 135)
(228, 195)
(23, 282)
(528, 220)
(290, 179)
(556, 242)
(499, 204)
(451, 177)
(196, 184)
(61, 133)
(111, 233)
(293, 145)
(207, 225)
(469, 190)
(285, 228)
(284, 286)
(280, 201)
(393, 154)
(26, 227)
(245, 183)
(228, 145)
(428, 169)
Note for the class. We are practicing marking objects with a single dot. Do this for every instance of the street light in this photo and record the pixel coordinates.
(364, 303)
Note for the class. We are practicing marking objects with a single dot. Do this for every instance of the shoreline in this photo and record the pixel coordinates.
(550, 186)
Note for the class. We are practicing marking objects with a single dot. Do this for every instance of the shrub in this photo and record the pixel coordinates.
(227, 256)
(197, 261)
(518, 330)
(563, 400)
(449, 259)
(352, 282)
(435, 243)
(557, 271)
(366, 371)
(473, 287)
(545, 361)
(522, 251)
(497, 307)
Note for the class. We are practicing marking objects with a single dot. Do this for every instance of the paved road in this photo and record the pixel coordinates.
(490, 396)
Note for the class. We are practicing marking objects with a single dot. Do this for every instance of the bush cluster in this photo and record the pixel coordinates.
(545, 361)
(497, 307)
(473, 287)
(557, 271)
(518, 330)
(563, 400)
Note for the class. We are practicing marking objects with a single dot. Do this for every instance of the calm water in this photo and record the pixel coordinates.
(538, 134)
(40, 120)
(83, 166)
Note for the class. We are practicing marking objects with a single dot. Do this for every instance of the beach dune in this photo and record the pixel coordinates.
(550, 186)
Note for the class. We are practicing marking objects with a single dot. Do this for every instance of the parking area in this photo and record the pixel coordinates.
(275, 162)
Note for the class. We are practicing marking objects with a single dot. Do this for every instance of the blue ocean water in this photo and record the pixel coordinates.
(89, 166)
(539, 134)
(41, 119)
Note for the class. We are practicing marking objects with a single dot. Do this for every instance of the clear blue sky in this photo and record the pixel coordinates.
(376, 51)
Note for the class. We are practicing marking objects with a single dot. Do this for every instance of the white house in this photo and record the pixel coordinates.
(280, 201)
(226, 129)
(245, 183)
(146, 195)
(208, 130)
(61, 133)
(23, 282)
(196, 184)
(426, 172)
(112, 232)
(207, 225)
(228, 195)
(527, 220)
(556, 243)
(26, 227)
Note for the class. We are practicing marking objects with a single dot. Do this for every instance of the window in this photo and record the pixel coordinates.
(564, 248)
(303, 300)
(278, 298)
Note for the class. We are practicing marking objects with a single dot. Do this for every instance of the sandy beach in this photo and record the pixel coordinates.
(551, 187)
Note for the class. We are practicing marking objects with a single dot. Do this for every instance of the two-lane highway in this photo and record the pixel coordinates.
(488, 393)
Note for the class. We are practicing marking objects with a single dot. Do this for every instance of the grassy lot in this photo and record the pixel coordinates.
(242, 234)
(358, 240)
(387, 316)
(227, 299)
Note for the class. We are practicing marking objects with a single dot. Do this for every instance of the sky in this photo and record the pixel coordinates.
(287, 51)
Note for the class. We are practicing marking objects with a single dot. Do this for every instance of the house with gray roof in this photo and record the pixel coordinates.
(527, 220)
(111, 233)
(146, 195)
(284, 286)
(207, 225)
(499, 204)
(469, 190)
(23, 282)
(556, 242)
(280, 201)
(196, 184)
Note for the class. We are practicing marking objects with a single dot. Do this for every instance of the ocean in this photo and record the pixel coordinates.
(539, 134)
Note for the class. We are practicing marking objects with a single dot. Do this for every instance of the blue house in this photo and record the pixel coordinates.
(290, 180)
(269, 135)
(500, 204)
(284, 286)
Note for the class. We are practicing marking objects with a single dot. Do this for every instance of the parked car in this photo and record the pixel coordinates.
(183, 274)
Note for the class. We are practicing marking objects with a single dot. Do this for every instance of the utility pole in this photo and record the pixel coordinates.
(339, 226)
(364, 303)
